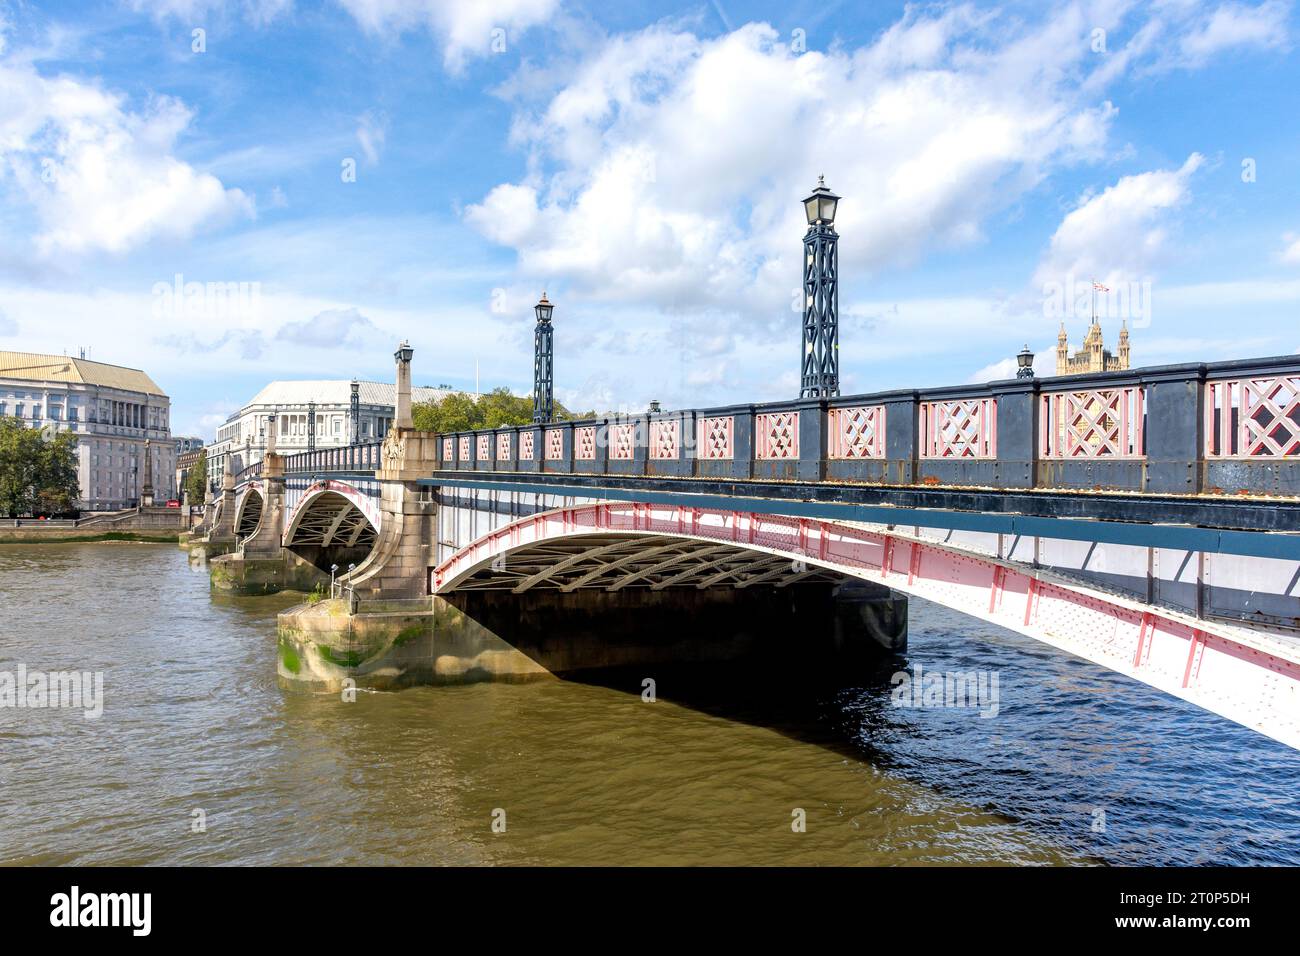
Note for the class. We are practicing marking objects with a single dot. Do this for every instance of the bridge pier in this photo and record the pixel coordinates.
(262, 565)
(497, 635)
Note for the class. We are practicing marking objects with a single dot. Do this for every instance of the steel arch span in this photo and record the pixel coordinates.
(1249, 677)
(248, 510)
(333, 512)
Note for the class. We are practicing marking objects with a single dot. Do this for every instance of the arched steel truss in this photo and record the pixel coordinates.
(329, 518)
(249, 514)
(1247, 676)
(615, 561)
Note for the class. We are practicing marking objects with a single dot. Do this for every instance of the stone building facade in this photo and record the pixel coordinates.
(113, 411)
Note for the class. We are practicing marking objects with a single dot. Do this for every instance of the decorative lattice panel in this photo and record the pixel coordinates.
(584, 443)
(622, 441)
(526, 446)
(1103, 423)
(503, 447)
(464, 448)
(715, 436)
(664, 439)
(959, 428)
(857, 432)
(776, 435)
(1253, 418)
(484, 447)
(448, 450)
(554, 444)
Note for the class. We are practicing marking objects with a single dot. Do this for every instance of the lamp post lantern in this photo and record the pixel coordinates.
(820, 356)
(543, 363)
(1025, 361)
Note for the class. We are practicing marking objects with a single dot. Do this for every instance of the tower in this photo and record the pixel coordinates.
(820, 353)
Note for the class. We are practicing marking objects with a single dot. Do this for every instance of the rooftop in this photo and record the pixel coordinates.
(338, 392)
(35, 367)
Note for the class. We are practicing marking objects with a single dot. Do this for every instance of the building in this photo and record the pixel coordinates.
(186, 443)
(184, 462)
(113, 411)
(1093, 357)
(295, 406)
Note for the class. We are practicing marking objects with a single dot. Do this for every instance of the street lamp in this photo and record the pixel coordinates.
(543, 363)
(820, 206)
(820, 349)
(1025, 359)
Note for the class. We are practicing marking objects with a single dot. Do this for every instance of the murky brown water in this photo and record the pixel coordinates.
(585, 774)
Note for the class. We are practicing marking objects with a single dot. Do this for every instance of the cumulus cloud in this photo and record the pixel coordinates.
(98, 175)
(332, 328)
(668, 170)
(1119, 234)
(464, 27)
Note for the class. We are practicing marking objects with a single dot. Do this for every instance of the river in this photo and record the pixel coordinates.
(1079, 766)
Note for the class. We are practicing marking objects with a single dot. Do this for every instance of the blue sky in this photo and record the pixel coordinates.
(644, 164)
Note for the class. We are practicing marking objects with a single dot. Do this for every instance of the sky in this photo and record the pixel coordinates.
(321, 180)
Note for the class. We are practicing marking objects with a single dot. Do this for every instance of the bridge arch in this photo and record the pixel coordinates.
(1224, 669)
(332, 513)
(248, 511)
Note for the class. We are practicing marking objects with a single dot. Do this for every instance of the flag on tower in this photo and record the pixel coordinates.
(1098, 287)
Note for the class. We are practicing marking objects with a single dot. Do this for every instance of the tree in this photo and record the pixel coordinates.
(459, 412)
(196, 479)
(38, 474)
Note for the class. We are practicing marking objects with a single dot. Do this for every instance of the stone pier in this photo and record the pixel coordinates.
(497, 635)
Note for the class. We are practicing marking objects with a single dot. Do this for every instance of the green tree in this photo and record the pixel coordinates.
(459, 412)
(38, 474)
(196, 479)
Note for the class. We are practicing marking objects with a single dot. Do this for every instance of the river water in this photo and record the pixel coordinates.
(1079, 766)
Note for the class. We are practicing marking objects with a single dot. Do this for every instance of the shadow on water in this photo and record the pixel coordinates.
(1105, 767)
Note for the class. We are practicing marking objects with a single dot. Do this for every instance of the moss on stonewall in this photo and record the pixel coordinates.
(289, 657)
(339, 658)
(408, 634)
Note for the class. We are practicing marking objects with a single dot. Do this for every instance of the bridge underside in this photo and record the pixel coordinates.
(330, 529)
(1251, 677)
(612, 562)
(250, 515)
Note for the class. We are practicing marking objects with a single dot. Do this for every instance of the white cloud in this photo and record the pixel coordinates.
(1291, 253)
(97, 175)
(1234, 25)
(197, 12)
(1119, 234)
(642, 157)
(465, 27)
(372, 130)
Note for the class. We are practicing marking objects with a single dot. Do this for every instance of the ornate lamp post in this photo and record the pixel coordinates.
(820, 358)
(311, 426)
(543, 363)
(1025, 361)
(354, 425)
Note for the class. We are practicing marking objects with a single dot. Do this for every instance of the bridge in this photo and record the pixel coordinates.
(1143, 520)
